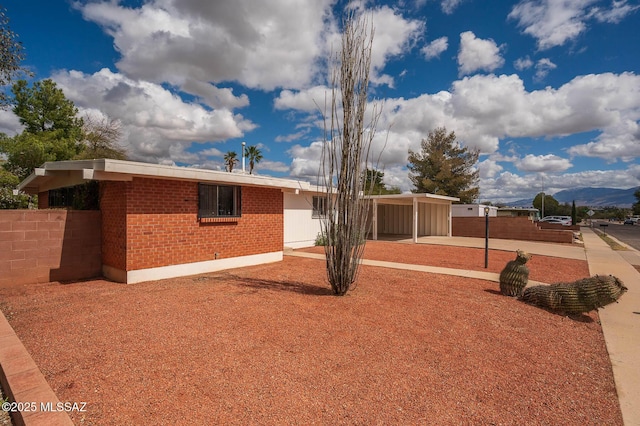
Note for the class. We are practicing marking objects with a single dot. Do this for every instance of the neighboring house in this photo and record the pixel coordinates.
(166, 221)
(531, 213)
(472, 210)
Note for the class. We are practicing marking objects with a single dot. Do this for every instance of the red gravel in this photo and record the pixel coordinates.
(541, 268)
(269, 345)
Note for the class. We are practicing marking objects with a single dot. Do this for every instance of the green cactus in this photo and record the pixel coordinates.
(577, 297)
(515, 275)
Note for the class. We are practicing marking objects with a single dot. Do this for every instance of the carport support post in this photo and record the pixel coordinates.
(415, 220)
(486, 238)
(374, 225)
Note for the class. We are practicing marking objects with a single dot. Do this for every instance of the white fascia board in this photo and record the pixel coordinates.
(91, 174)
(421, 197)
(200, 175)
(113, 168)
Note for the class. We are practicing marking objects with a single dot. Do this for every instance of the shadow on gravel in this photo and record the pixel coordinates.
(575, 317)
(264, 284)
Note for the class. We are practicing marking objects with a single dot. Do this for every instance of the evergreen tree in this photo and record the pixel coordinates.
(52, 130)
(444, 167)
(636, 205)
(374, 184)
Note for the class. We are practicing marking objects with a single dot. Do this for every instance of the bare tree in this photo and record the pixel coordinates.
(101, 139)
(347, 151)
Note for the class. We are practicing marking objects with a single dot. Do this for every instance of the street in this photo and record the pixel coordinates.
(628, 234)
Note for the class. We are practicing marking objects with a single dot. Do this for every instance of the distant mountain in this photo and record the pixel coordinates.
(591, 197)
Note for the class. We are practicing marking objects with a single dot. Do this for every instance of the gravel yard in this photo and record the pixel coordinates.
(269, 345)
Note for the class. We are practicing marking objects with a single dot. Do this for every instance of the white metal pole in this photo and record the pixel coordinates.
(243, 144)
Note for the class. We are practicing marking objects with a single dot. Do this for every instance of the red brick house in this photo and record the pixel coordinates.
(166, 221)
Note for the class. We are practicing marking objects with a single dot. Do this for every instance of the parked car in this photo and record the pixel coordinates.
(563, 220)
(629, 222)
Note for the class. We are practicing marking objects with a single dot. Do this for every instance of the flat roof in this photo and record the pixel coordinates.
(60, 174)
(409, 197)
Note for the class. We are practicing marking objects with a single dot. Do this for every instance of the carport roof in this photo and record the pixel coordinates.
(60, 174)
(408, 198)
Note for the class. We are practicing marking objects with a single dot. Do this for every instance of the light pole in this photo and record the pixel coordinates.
(542, 200)
(243, 144)
(486, 238)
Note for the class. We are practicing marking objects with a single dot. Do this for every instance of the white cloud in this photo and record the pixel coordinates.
(10, 123)
(293, 136)
(477, 54)
(543, 67)
(274, 166)
(156, 123)
(485, 109)
(311, 100)
(523, 63)
(510, 187)
(621, 141)
(543, 163)
(448, 6)
(306, 161)
(252, 43)
(619, 10)
(394, 36)
(489, 168)
(556, 22)
(435, 48)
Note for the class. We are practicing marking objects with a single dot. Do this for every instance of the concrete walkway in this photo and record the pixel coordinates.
(620, 322)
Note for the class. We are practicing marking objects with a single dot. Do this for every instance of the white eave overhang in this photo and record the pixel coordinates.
(409, 198)
(62, 174)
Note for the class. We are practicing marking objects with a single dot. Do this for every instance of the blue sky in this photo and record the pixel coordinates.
(547, 90)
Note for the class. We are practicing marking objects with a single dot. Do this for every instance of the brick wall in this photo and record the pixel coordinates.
(113, 205)
(162, 226)
(43, 200)
(512, 228)
(49, 245)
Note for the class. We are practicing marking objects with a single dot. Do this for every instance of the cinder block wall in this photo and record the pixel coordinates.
(49, 245)
(162, 227)
(511, 228)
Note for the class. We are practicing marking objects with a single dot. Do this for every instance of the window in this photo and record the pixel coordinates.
(218, 201)
(80, 197)
(319, 207)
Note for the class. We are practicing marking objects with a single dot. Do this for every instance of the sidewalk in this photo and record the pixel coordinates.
(620, 322)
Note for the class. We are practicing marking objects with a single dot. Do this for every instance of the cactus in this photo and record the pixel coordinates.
(515, 275)
(577, 297)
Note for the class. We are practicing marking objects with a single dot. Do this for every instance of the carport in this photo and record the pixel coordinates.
(417, 215)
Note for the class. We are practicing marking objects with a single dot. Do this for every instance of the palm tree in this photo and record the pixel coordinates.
(254, 155)
(230, 160)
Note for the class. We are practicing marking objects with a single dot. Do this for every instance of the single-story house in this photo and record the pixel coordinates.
(166, 221)
(473, 210)
(530, 212)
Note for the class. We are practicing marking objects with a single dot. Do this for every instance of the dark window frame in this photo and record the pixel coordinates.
(219, 201)
(319, 209)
